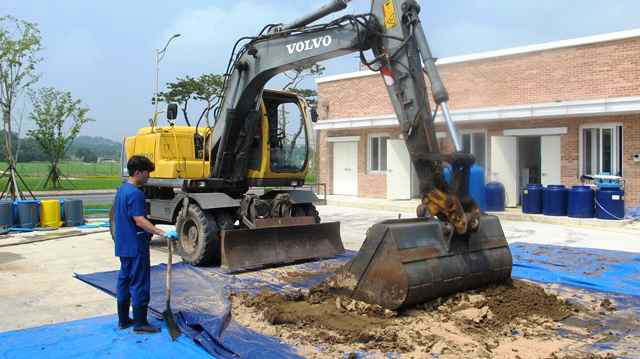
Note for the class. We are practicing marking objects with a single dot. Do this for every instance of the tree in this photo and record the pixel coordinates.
(29, 150)
(180, 92)
(87, 155)
(209, 90)
(206, 88)
(296, 77)
(19, 48)
(58, 119)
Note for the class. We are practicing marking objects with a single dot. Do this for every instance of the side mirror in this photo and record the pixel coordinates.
(314, 114)
(172, 111)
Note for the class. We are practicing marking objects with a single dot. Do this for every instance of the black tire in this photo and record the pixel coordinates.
(199, 242)
(307, 209)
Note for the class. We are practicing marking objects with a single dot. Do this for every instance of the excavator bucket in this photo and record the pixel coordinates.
(409, 261)
(244, 249)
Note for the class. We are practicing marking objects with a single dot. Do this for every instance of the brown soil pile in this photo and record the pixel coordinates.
(512, 320)
(496, 307)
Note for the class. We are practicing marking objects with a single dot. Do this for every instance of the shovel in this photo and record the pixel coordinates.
(167, 315)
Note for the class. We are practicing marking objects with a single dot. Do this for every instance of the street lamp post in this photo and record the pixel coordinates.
(159, 56)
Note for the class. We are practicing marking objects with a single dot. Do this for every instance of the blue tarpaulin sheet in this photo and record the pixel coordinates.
(201, 295)
(595, 269)
(95, 338)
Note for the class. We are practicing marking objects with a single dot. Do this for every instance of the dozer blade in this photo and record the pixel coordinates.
(251, 248)
(407, 262)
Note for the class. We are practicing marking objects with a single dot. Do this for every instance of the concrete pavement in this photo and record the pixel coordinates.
(355, 221)
(510, 214)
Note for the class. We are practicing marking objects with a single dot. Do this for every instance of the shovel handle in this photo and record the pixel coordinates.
(167, 288)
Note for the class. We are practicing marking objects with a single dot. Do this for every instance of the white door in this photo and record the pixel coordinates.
(550, 160)
(398, 170)
(345, 168)
(504, 166)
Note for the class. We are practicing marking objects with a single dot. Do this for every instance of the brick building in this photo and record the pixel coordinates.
(543, 113)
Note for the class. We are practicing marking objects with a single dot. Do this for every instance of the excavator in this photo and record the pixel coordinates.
(206, 178)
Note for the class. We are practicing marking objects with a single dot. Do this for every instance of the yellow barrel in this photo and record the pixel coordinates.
(50, 213)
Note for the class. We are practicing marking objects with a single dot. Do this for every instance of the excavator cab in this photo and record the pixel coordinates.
(280, 149)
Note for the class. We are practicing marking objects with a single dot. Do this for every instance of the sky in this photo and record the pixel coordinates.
(103, 52)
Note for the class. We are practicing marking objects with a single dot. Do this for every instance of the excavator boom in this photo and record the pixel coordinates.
(451, 246)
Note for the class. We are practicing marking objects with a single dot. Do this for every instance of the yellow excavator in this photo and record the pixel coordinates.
(261, 139)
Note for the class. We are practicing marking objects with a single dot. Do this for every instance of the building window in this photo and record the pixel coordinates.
(476, 144)
(601, 150)
(378, 153)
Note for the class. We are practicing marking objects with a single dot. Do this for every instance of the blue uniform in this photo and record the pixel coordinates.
(132, 246)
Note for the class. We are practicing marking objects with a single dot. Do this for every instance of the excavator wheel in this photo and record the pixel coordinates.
(199, 232)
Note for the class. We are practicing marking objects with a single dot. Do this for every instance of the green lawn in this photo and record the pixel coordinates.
(69, 168)
(79, 175)
(73, 183)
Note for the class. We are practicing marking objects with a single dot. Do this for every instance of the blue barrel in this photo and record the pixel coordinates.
(476, 185)
(495, 196)
(73, 212)
(580, 202)
(532, 199)
(27, 213)
(447, 174)
(554, 200)
(610, 203)
(477, 189)
(6, 216)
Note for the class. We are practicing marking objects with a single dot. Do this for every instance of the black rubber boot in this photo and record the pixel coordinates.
(124, 321)
(140, 324)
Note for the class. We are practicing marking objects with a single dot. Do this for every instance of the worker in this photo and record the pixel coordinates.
(132, 236)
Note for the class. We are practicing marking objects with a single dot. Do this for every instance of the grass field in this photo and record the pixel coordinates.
(69, 168)
(74, 183)
(79, 175)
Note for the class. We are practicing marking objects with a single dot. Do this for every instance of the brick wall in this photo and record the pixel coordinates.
(602, 70)
(596, 71)
(370, 184)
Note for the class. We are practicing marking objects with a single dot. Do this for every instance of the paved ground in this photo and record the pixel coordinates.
(355, 221)
(38, 286)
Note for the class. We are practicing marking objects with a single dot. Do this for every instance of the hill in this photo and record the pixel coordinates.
(100, 146)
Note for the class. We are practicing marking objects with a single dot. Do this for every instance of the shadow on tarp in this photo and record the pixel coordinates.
(94, 338)
(203, 312)
(595, 269)
(202, 307)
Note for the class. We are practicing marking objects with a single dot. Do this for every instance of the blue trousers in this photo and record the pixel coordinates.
(134, 280)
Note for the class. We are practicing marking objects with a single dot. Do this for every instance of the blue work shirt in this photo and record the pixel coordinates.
(131, 240)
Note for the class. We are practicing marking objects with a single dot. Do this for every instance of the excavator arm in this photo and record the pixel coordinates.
(393, 32)
(450, 246)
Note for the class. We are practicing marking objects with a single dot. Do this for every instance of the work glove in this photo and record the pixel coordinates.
(172, 234)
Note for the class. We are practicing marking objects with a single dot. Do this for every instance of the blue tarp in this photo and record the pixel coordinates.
(633, 213)
(94, 338)
(200, 301)
(595, 269)
(202, 305)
